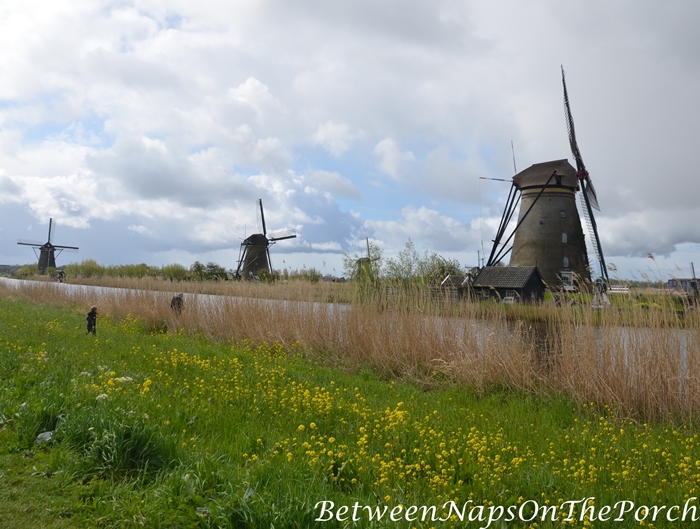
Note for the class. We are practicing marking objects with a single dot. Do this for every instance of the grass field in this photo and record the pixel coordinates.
(639, 357)
(175, 429)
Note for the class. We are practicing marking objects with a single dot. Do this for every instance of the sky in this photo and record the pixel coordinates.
(148, 129)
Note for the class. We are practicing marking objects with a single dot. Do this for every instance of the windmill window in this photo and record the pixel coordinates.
(562, 214)
(567, 280)
(566, 262)
(564, 238)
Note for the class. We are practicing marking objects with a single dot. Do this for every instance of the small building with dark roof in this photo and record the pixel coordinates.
(682, 283)
(522, 284)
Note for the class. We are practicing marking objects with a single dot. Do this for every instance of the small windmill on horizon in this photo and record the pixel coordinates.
(365, 265)
(254, 255)
(47, 251)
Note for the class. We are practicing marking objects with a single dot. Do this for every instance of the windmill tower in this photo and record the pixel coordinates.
(47, 251)
(549, 233)
(254, 255)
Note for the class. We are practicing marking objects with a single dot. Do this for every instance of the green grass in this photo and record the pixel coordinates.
(30, 496)
(170, 430)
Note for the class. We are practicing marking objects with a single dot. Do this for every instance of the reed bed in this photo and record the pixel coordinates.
(320, 291)
(641, 362)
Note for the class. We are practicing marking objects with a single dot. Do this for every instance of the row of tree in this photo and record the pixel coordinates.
(90, 268)
(409, 267)
(198, 271)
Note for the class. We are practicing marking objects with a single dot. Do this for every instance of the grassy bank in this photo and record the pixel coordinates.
(177, 430)
(640, 362)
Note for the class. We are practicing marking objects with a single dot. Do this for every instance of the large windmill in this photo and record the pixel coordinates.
(47, 251)
(548, 233)
(254, 255)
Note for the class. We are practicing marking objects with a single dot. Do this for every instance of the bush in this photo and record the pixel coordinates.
(118, 447)
(26, 271)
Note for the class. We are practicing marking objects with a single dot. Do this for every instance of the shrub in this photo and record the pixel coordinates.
(117, 447)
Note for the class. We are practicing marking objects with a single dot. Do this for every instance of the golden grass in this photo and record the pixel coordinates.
(643, 362)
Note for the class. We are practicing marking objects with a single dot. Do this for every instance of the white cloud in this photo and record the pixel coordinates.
(427, 228)
(333, 183)
(392, 159)
(143, 230)
(329, 246)
(257, 96)
(335, 137)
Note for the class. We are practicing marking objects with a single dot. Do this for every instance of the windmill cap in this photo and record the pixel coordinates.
(537, 175)
(257, 239)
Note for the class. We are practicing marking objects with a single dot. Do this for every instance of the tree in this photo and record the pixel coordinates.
(215, 271)
(405, 266)
(86, 268)
(410, 267)
(175, 272)
(198, 271)
(27, 271)
(438, 268)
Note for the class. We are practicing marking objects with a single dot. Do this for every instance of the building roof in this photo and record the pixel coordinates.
(505, 276)
(453, 281)
(257, 239)
(537, 175)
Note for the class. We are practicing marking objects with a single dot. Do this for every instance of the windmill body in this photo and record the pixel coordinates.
(47, 257)
(549, 233)
(47, 251)
(254, 255)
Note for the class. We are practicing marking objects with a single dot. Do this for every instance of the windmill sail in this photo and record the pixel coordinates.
(262, 217)
(282, 235)
(589, 196)
(585, 178)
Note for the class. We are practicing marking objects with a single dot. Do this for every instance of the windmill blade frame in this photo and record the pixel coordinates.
(283, 237)
(25, 242)
(590, 200)
(584, 176)
(262, 217)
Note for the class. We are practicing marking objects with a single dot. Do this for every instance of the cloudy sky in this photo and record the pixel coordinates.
(148, 129)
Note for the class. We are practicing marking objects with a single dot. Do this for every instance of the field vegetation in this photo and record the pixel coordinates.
(226, 417)
(640, 358)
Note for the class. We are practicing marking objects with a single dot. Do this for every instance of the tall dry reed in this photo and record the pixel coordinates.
(642, 362)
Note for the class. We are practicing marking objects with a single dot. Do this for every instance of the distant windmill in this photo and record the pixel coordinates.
(254, 255)
(47, 250)
(364, 265)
